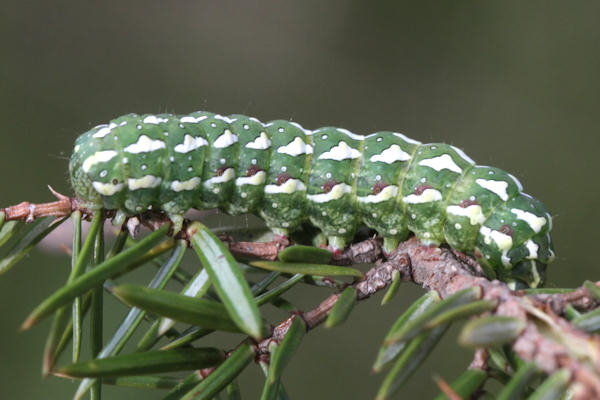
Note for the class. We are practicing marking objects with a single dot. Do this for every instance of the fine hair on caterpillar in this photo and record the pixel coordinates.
(334, 179)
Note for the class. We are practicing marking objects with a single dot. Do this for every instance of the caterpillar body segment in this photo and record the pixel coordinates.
(330, 177)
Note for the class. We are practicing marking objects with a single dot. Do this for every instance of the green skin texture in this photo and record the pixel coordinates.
(329, 177)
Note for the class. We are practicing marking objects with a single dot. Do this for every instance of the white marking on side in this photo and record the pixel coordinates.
(388, 192)
(441, 162)
(340, 152)
(98, 157)
(144, 145)
(293, 148)
(533, 249)
(76, 149)
(391, 154)
(225, 140)
(227, 175)
(192, 120)
(261, 142)
(335, 193)
(427, 196)
(105, 130)
(190, 143)
(503, 241)
(154, 120)
(535, 223)
(145, 182)
(290, 186)
(473, 212)
(190, 184)
(256, 179)
(107, 189)
(496, 187)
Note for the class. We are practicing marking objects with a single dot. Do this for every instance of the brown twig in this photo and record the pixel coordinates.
(548, 340)
(579, 298)
(29, 211)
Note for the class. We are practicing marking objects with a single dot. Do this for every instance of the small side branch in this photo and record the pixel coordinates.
(30, 211)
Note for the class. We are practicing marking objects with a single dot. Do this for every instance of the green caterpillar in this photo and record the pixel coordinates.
(330, 177)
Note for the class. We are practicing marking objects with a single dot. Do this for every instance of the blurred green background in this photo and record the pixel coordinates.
(515, 84)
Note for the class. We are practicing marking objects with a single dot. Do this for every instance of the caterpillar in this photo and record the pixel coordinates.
(329, 177)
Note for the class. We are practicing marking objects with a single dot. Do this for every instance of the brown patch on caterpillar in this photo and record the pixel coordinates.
(221, 170)
(507, 230)
(421, 188)
(477, 253)
(283, 178)
(467, 203)
(328, 185)
(378, 187)
(253, 170)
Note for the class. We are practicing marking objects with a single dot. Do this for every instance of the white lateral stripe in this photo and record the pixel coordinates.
(190, 184)
(223, 118)
(340, 152)
(463, 155)
(261, 142)
(390, 155)
(256, 179)
(388, 192)
(517, 182)
(107, 189)
(145, 182)
(190, 143)
(293, 148)
(98, 157)
(535, 223)
(335, 193)
(473, 212)
(405, 138)
(441, 162)
(496, 187)
(225, 140)
(290, 186)
(144, 145)
(427, 196)
(227, 175)
(303, 129)
(549, 217)
(350, 134)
